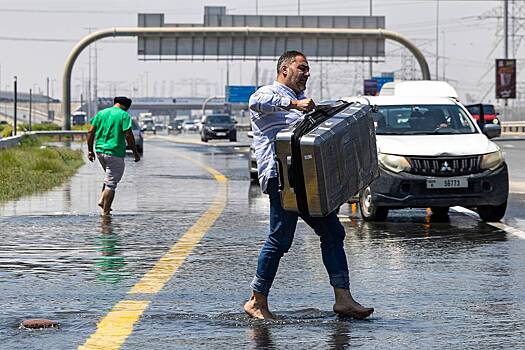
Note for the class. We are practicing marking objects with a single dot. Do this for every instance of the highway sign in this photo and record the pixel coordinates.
(239, 93)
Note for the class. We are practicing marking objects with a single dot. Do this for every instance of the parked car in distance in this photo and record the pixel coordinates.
(218, 126)
(175, 126)
(433, 154)
(190, 125)
(489, 113)
(149, 125)
(137, 135)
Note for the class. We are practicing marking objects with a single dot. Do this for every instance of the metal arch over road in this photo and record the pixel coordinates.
(219, 31)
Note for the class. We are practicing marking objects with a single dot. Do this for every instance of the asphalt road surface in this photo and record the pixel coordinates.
(171, 268)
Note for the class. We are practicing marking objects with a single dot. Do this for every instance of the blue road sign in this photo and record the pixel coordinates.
(239, 93)
(382, 80)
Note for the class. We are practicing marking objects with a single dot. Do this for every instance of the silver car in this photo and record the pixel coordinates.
(138, 135)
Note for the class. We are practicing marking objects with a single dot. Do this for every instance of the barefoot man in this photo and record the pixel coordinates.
(274, 107)
(111, 128)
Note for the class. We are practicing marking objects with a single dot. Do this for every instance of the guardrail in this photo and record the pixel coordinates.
(61, 134)
(512, 127)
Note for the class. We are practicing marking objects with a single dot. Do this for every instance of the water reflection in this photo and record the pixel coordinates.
(261, 336)
(340, 336)
(110, 264)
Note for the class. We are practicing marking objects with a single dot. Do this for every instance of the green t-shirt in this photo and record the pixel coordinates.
(110, 125)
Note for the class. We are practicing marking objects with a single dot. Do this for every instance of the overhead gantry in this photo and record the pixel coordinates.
(244, 33)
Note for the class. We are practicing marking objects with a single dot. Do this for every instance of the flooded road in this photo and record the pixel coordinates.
(458, 284)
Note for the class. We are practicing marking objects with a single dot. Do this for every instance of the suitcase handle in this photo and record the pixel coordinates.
(280, 172)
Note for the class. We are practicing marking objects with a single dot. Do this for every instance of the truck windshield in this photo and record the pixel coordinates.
(422, 120)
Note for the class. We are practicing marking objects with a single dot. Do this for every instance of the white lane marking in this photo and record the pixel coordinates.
(500, 225)
(508, 146)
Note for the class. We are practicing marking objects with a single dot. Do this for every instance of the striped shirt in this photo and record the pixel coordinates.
(268, 117)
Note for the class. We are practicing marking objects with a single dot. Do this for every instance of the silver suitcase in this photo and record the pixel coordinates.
(326, 158)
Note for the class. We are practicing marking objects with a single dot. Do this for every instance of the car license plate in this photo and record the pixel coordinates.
(221, 134)
(460, 182)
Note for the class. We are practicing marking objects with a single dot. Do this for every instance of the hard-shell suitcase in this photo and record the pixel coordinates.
(326, 158)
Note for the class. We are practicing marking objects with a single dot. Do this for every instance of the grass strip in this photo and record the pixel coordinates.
(31, 168)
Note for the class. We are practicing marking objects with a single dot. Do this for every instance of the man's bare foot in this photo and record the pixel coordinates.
(345, 305)
(257, 307)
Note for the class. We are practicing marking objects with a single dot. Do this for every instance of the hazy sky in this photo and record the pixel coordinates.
(36, 37)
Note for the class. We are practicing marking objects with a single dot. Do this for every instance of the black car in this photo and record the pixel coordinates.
(218, 126)
(175, 126)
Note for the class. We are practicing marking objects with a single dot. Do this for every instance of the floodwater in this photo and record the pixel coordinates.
(455, 285)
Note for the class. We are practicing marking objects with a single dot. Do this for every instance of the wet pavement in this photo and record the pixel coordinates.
(458, 284)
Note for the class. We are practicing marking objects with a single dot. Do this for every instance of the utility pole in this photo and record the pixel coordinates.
(444, 57)
(437, 39)
(321, 82)
(31, 107)
(257, 58)
(506, 36)
(147, 83)
(506, 27)
(15, 83)
(47, 98)
(371, 63)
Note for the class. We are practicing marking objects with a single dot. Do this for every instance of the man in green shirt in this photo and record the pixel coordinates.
(111, 127)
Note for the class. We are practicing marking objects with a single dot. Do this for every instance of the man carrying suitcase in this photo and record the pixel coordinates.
(273, 108)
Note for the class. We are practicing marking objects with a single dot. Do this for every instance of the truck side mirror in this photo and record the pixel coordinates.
(492, 130)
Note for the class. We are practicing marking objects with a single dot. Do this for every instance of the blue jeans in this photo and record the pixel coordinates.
(280, 238)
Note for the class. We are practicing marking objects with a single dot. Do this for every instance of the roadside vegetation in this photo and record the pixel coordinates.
(32, 167)
(5, 130)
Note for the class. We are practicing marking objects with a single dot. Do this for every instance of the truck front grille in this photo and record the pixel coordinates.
(445, 166)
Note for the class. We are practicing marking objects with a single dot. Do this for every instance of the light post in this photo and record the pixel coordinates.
(15, 83)
(30, 108)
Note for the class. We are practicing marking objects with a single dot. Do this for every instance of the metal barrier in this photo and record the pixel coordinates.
(513, 127)
(61, 134)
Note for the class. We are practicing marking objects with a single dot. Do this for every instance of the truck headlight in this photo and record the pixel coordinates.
(393, 163)
(492, 160)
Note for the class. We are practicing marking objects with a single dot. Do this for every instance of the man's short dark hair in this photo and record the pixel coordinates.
(123, 100)
(287, 58)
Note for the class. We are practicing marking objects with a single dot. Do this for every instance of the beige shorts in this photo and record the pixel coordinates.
(114, 168)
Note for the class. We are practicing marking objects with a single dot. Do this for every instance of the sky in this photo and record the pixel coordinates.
(36, 36)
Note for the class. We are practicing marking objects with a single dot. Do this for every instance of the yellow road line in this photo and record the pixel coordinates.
(113, 330)
(156, 278)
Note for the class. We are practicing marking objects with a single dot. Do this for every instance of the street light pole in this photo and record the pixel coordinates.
(47, 97)
(30, 107)
(15, 82)
(506, 29)
(437, 39)
(371, 63)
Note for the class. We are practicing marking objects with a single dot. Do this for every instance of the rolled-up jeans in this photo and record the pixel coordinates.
(280, 238)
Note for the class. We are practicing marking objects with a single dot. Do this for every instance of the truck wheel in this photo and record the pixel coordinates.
(369, 211)
(492, 213)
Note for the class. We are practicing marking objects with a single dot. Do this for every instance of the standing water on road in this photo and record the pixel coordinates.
(456, 284)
